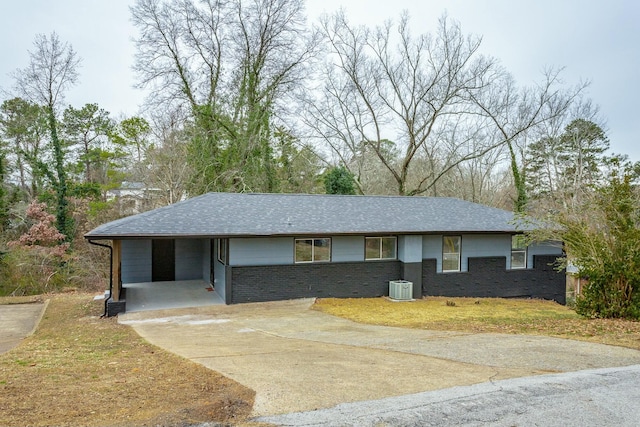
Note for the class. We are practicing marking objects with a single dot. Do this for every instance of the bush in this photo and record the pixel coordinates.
(40, 261)
(605, 246)
(32, 271)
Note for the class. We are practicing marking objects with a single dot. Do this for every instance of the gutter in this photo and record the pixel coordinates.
(150, 236)
(106, 301)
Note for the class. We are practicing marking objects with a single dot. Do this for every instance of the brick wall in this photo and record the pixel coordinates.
(488, 277)
(342, 280)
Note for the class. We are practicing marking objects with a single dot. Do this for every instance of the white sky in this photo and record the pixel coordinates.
(594, 40)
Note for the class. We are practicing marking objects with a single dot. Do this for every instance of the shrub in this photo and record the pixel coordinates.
(32, 271)
(38, 262)
(605, 246)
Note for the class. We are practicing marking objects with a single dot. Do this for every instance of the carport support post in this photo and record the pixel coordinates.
(116, 272)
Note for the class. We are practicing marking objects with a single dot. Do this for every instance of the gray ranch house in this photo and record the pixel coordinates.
(266, 247)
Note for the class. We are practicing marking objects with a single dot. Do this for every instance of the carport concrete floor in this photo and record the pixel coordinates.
(167, 295)
(297, 359)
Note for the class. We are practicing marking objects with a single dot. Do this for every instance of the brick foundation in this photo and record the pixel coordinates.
(341, 280)
(488, 277)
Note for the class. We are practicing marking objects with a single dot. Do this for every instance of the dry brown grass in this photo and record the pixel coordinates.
(27, 299)
(512, 316)
(80, 370)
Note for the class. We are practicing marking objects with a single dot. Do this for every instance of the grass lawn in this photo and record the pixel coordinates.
(80, 370)
(511, 316)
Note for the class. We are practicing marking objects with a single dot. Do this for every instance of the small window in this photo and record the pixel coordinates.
(380, 248)
(223, 245)
(313, 250)
(518, 252)
(450, 253)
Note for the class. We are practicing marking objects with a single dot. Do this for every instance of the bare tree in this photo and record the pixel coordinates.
(52, 70)
(233, 63)
(479, 180)
(384, 85)
(517, 114)
(168, 170)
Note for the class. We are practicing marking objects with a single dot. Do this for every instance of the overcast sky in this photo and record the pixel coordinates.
(593, 40)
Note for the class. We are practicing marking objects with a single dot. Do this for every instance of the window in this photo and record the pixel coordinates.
(223, 245)
(313, 250)
(450, 253)
(518, 251)
(380, 248)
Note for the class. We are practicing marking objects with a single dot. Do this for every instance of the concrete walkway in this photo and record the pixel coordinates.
(298, 359)
(18, 321)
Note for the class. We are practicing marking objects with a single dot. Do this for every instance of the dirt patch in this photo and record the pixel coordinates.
(78, 369)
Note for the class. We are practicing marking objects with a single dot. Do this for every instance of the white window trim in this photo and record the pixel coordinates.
(459, 253)
(395, 248)
(523, 267)
(515, 250)
(313, 250)
(223, 249)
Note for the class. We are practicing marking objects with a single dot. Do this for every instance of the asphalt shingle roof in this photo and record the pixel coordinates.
(236, 214)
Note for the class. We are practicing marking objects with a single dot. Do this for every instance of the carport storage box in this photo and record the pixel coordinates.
(401, 290)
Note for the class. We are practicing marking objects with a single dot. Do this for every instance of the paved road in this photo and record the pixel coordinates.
(297, 359)
(602, 397)
(16, 322)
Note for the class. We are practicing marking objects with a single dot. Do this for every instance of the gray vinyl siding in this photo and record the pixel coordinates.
(219, 274)
(188, 259)
(206, 260)
(485, 245)
(471, 246)
(136, 261)
(410, 248)
(261, 251)
(347, 248)
(432, 249)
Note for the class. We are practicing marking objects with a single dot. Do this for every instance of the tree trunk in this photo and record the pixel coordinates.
(519, 182)
(62, 217)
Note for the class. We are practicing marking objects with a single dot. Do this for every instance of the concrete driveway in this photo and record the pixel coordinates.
(18, 321)
(591, 398)
(298, 359)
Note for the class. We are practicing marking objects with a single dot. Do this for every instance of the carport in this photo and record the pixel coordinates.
(172, 294)
(153, 274)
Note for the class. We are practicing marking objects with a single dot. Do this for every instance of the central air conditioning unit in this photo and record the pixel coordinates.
(401, 290)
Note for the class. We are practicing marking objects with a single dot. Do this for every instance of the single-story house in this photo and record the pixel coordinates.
(265, 247)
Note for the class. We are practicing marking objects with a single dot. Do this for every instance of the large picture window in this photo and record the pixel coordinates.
(518, 252)
(450, 253)
(313, 250)
(380, 247)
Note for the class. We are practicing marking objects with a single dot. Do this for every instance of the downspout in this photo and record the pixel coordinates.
(106, 301)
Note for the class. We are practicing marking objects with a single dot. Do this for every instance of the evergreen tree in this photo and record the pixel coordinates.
(339, 180)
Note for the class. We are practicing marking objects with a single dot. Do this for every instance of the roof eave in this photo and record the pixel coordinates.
(140, 236)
